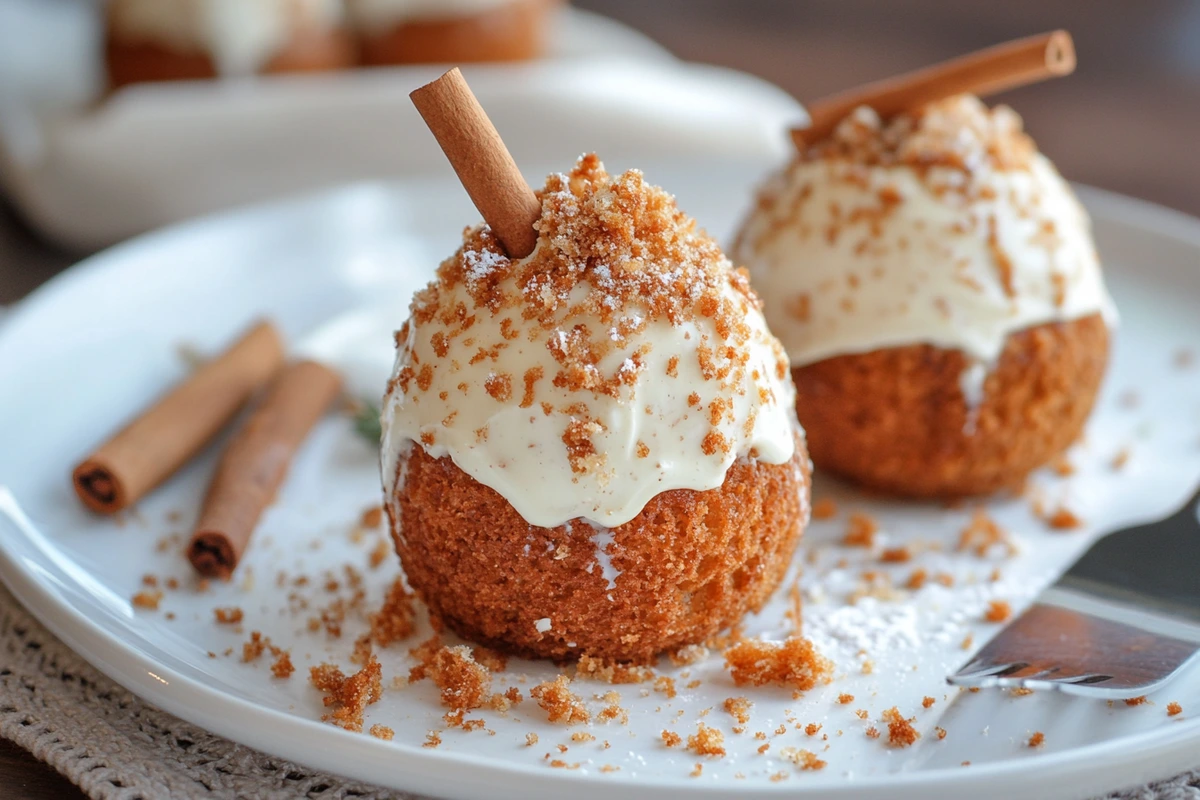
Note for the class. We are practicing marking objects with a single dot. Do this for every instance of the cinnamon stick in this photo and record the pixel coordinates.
(984, 72)
(255, 463)
(483, 164)
(154, 445)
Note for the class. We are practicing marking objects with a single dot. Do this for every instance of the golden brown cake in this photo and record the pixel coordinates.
(935, 283)
(165, 40)
(592, 450)
(451, 31)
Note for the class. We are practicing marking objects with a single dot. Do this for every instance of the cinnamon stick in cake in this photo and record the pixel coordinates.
(483, 164)
(152, 447)
(255, 463)
(984, 72)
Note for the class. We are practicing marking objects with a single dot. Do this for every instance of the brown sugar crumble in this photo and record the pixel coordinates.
(688, 654)
(998, 611)
(349, 696)
(671, 738)
(941, 732)
(432, 739)
(1064, 519)
(599, 670)
(395, 619)
(845, 699)
(860, 530)
(1174, 709)
(738, 708)
(794, 663)
(464, 683)
(824, 508)
(1137, 701)
(706, 741)
(148, 600)
(559, 702)
(371, 517)
(228, 616)
(812, 729)
(282, 667)
(804, 759)
(382, 732)
(927, 702)
(982, 535)
(1038, 739)
(901, 732)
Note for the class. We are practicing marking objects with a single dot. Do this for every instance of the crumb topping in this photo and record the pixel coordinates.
(793, 662)
(559, 702)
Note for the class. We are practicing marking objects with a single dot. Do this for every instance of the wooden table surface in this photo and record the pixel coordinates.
(1129, 120)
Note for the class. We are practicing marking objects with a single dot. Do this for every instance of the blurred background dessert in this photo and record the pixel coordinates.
(162, 40)
(935, 283)
(451, 31)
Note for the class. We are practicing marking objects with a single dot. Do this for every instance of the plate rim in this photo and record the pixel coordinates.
(409, 767)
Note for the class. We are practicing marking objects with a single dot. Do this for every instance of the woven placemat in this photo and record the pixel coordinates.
(115, 747)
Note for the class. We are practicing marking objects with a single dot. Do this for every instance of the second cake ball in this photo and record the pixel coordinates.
(935, 283)
(593, 449)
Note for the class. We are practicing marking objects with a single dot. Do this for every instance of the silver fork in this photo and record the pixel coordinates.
(1119, 623)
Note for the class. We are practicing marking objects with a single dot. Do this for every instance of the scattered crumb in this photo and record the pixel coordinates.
(1120, 459)
(1021, 691)
(559, 702)
(699, 768)
(872, 732)
(1174, 709)
(862, 713)
(967, 641)
(395, 619)
(738, 708)
(1038, 739)
(1063, 467)
(927, 702)
(917, 579)
(464, 682)
(941, 732)
(494, 660)
(1063, 519)
(706, 741)
(351, 695)
(845, 699)
(379, 553)
(689, 654)
(998, 611)
(896, 555)
(825, 508)
(382, 732)
(982, 534)
(371, 517)
(901, 733)
(793, 662)
(282, 666)
(1137, 701)
(666, 685)
(671, 738)
(803, 759)
(812, 729)
(433, 739)
(148, 600)
(582, 736)
(228, 616)
(600, 670)
(860, 530)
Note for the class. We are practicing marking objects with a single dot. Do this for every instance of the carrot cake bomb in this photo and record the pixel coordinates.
(592, 449)
(161, 40)
(451, 31)
(935, 283)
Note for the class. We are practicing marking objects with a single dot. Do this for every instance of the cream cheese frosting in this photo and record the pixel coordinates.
(384, 14)
(241, 36)
(947, 228)
(623, 358)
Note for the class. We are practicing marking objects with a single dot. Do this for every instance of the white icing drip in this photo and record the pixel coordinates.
(925, 271)
(971, 382)
(241, 36)
(523, 456)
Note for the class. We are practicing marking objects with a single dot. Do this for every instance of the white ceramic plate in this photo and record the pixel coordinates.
(90, 348)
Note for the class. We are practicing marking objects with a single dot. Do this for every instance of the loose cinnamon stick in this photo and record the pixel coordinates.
(255, 463)
(152, 447)
(984, 72)
(484, 166)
